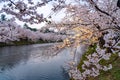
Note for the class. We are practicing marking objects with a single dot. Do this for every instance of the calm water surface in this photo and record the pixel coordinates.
(30, 63)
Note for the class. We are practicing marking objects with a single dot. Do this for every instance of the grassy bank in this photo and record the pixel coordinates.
(90, 50)
(113, 74)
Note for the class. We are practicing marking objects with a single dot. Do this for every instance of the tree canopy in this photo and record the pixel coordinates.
(90, 22)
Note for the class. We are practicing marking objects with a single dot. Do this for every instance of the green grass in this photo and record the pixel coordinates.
(90, 50)
(113, 74)
(119, 44)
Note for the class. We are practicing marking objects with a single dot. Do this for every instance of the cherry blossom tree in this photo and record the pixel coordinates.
(11, 31)
(91, 21)
(26, 10)
(101, 16)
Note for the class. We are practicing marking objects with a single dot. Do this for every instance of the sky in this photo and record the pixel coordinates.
(46, 10)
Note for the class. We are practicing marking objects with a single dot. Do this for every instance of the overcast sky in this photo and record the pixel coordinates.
(46, 10)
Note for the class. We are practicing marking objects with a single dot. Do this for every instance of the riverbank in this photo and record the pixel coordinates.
(112, 74)
(23, 42)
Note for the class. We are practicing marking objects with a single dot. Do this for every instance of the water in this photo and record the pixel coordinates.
(30, 63)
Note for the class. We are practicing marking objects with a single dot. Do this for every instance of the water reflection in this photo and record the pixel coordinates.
(29, 63)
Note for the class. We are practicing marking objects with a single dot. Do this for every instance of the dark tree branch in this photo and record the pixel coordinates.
(106, 13)
(12, 3)
(118, 3)
(97, 8)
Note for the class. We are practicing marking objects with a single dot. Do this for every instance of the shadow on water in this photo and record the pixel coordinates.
(29, 63)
